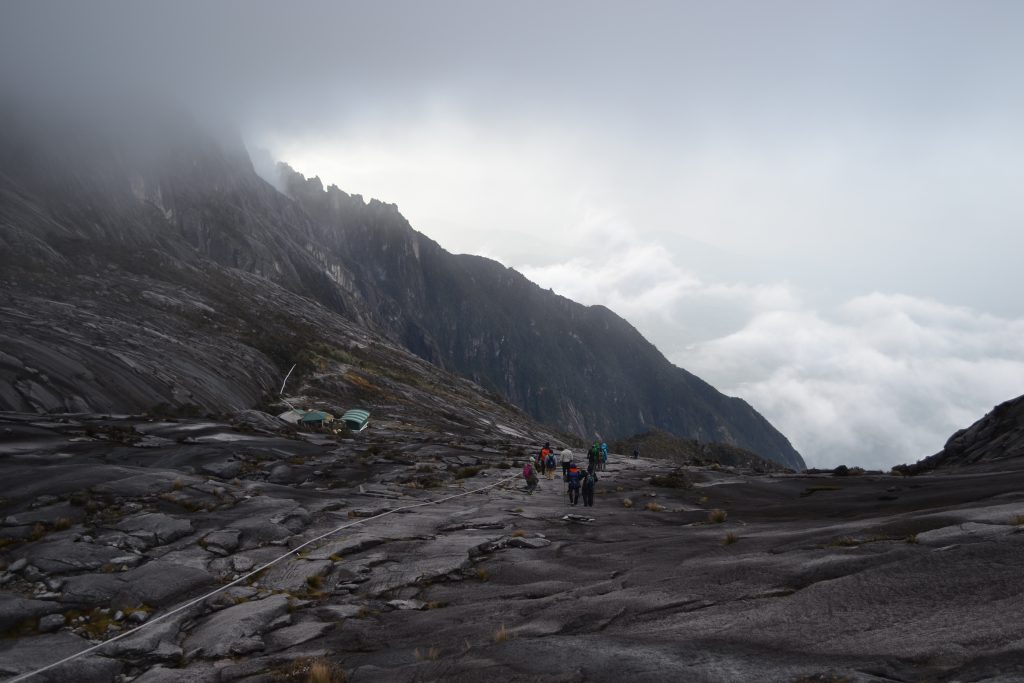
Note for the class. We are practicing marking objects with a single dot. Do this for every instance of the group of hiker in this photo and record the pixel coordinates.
(578, 481)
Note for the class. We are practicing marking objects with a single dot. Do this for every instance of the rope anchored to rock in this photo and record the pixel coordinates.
(254, 572)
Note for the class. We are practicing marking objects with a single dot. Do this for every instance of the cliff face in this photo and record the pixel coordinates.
(999, 435)
(582, 368)
(168, 203)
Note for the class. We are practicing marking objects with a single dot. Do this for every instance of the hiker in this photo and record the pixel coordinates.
(604, 456)
(593, 456)
(589, 483)
(552, 462)
(530, 475)
(636, 452)
(575, 477)
(544, 453)
(566, 459)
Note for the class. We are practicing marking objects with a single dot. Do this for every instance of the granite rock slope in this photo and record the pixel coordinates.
(724, 574)
(127, 223)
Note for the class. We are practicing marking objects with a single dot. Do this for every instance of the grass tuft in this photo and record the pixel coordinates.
(730, 538)
(502, 634)
(627, 503)
(654, 507)
(430, 654)
(717, 516)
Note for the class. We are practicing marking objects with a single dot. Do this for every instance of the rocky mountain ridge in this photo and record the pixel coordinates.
(84, 212)
(996, 437)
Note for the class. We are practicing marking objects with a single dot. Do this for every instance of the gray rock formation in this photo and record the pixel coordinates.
(125, 253)
(997, 436)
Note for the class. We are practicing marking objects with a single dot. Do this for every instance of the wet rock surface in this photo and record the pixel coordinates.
(733, 576)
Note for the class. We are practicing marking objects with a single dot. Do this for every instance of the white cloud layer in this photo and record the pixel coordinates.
(875, 381)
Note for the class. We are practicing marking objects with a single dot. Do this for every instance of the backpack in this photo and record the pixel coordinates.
(591, 480)
(527, 471)
(551, 461)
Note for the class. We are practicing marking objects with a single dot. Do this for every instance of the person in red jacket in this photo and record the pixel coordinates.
(574, 476)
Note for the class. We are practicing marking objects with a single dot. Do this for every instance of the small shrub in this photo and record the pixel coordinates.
(518, 533)
(627, 503)
(912, 538)
(431, 654)
(654, 507)
(315, 582)
(38, 531)
(1017, 520)
(717, 516)
(482, 574)
(178, 484)
(730, 538)
(467, 472)
(674, 480)
(502, 634)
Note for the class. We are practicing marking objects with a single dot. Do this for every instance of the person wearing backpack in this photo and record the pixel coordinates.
(566, 459)
(636, 452)
(530, 475)
(575, 478)
(593, 455)
(588, 486)
(552, 462)
(604, 456)
(542, 461)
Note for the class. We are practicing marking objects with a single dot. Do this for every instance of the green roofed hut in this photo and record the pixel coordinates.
(316, 418)
(356, 419)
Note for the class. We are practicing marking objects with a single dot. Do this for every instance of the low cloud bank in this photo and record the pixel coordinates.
(876, 380)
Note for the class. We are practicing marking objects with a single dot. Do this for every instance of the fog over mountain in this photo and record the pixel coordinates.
(810, 205)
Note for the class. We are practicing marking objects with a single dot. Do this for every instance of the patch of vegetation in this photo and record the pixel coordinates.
(730, 538)
(504, 465)
(1017, 520)
(677, 479)
(431, 654)
(466, 472)
(717, 516)
(654, 507)
(814, 489)
(482, 574)
(310, 670)
(518, 533)
(627, 502)
(38, 531)
(502, 634)
(912, 539)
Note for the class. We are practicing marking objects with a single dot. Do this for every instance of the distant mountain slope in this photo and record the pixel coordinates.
(160, 199)
(582, 368)
(662, 445)
(997, 436)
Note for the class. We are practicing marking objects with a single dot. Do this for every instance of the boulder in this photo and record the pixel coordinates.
(290, 636)
(14, 610)
(237, 630)
(22, 655)
(163, 528)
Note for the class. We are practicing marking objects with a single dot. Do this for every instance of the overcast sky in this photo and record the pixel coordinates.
(813, 205)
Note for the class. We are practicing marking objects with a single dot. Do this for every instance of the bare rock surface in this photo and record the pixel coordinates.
(739, 576)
